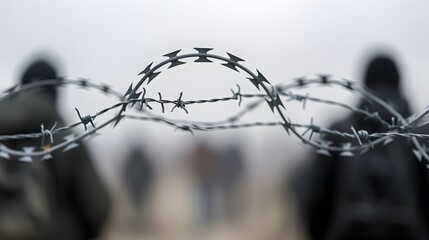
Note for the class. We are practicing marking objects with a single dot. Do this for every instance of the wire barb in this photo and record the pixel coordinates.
(237, 95)
(180, 104)
(47, 134)
(85, 120)
(144, 102)
(399, 126)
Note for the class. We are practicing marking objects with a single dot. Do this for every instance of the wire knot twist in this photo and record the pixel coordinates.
(186, 128)
(47, 134)
(237, 95)
(144, 101)
(180, 104)
(85, 120)
(362, 136)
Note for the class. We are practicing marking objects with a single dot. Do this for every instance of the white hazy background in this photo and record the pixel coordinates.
(111, 41)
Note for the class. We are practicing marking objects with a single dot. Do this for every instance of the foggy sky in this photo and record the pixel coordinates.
(111, 41)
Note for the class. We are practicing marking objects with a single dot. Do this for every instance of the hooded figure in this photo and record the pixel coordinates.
(72, 198)
(381, 194)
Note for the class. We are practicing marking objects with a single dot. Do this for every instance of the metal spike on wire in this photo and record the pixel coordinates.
(203, 54)
(399, 126)
(232, 63)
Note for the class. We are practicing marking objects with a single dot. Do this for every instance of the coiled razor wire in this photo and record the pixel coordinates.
(274, 96)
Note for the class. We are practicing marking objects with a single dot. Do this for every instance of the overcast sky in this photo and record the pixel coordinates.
(111, 41)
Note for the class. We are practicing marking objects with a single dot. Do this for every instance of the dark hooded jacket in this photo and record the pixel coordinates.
(73, 200)
(321, 189)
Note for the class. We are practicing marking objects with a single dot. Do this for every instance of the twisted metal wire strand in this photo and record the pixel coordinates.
(272, 95)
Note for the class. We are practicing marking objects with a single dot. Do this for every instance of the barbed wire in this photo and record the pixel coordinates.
(274, 96)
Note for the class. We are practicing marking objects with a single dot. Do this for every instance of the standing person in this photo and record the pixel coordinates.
(381, 194)
(77, 201)
(203, 168)
(231, 171)
(138, 175)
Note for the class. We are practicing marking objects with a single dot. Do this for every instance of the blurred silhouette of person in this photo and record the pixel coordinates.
(203, 167)
(78, 202)
(230, 178)
(381, 194)
(138, 175)
(24, 207)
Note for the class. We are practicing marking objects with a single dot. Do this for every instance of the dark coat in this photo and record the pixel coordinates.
(77, 200)
(325, 176)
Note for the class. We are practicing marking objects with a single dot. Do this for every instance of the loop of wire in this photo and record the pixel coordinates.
(272, 94)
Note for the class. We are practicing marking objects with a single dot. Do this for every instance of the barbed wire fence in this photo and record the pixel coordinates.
(273, 96)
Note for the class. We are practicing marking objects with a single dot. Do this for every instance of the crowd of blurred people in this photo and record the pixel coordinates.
(65, 197)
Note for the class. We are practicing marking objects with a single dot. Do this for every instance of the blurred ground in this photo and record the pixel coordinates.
(265, 215)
